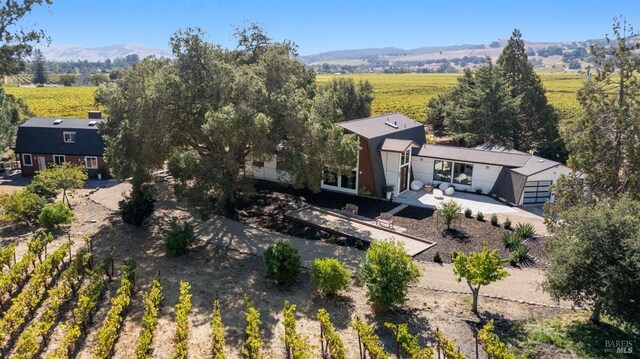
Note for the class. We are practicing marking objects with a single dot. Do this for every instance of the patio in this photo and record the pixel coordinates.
(484, 204)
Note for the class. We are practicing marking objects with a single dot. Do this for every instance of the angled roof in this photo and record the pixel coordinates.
(509, 185)
(377, 126)
(42, 136)
(536, 164)
(474, 155)
(396, 145)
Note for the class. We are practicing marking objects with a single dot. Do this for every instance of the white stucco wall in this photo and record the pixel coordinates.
(552, 174)
(484, 176)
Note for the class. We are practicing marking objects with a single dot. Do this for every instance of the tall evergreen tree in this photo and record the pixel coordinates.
(536, 124)
(40, 68)
(604, 141)
(482, 107)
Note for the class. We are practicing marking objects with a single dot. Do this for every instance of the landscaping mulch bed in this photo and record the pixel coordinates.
(267, 207)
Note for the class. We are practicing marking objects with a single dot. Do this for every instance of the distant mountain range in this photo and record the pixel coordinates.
(64, 53)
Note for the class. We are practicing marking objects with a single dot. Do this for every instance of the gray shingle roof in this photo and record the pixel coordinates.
(396, 145)
(462, 154)
(509, 185)
(377, 126)
(42, 136)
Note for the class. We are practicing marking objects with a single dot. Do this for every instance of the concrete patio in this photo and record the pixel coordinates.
(484, 204)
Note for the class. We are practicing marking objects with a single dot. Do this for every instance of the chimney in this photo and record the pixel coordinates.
(95, 115)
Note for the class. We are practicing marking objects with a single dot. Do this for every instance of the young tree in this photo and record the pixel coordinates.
(66, 178)
(535, 127)
(55, 214)
(387, 270)
(478, 269)
(16, 40)
(448, 211)
(40, 72)
(212, 110)
(594, 257)
(604, 141)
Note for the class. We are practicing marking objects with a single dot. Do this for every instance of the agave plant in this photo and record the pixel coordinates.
(510, 239)
(525, 230)
(520, 252)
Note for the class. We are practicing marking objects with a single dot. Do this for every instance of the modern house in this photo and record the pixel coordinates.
(43, 141)
(393, 151)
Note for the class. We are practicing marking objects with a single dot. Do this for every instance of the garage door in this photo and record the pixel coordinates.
(536, 192)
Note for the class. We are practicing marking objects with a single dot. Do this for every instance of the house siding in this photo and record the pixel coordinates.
(484, 176)
(365, 169)
(102, 169)
(550, 174)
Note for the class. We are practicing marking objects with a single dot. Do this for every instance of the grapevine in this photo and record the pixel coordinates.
(183, 308)
(152, 300)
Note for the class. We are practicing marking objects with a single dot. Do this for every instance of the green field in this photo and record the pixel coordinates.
(404, 93)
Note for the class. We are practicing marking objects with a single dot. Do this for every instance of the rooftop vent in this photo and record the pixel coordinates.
(92, 123)
(389, 123)
(57, 122)
(540, 160)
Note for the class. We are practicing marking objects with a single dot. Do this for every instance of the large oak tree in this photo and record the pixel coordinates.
(211, 111)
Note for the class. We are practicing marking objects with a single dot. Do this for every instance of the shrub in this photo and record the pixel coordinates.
(55, 214)
(494, 219)
(510, 239)
(42, 187)
(480, 216)
(437, 258)
(178, 237)
(329, 275)
(507, 224)
(520, 252)
(468, 213)
(448, 212)
(525, 230)
(283, 262)
(21, 206)
(387, 270)
(137, 206)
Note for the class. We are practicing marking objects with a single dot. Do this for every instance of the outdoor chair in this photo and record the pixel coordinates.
(385, 219)
(351, 209)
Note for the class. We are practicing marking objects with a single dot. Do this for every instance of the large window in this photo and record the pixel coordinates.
(69, 137)
(348, 181)
(462, 173)
(58, 159)
(330, 178)
(442, 171)
(91, 162)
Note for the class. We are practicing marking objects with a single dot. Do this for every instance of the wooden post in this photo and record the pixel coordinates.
(438, 342)
(476, 337)
(322, 342)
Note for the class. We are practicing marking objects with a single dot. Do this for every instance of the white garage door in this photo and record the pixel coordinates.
(536, 192)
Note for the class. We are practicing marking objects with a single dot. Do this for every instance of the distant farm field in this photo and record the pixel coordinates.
(404, 93)
(409, 93)
(66, 102)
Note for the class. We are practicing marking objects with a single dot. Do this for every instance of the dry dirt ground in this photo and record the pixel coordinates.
(214, 268)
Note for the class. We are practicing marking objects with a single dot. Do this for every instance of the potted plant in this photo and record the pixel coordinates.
(389, 190)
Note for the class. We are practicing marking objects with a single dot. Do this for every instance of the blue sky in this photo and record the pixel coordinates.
(318, 26)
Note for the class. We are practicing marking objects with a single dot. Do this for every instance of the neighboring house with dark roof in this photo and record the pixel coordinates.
(43, 141)
(393, 152)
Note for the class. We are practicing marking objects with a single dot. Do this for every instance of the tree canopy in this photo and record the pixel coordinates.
(212, 110)
(478, 269)
(594, 254)
(16, 39)
(503, 103)
(604, 140)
